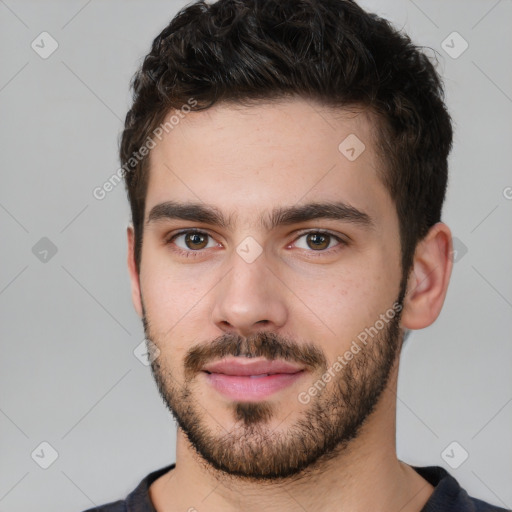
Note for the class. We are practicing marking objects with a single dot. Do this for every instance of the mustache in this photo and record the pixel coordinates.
(263, 344)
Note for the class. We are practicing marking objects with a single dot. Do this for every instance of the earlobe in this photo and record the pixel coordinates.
(132, 269)
(429, 278)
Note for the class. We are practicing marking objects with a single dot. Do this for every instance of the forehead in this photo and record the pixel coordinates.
(246, 160)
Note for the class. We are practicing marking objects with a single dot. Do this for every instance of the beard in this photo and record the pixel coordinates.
(323, 428)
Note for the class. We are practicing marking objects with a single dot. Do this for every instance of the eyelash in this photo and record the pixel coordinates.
(199, 252)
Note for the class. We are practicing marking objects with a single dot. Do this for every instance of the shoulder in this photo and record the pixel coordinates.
(449, 495)
(138, 500)
(483, 506)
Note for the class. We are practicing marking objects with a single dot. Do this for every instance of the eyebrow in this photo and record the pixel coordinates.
(280, 216)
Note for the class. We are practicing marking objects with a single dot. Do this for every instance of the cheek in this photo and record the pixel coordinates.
(352, 300)
(160, 296)
(173, 319)
(168, 291)
(161, 277)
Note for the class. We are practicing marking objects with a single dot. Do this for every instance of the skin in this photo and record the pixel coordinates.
(248, 161)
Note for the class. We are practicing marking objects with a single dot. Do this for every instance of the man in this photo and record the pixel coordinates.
(286, 165)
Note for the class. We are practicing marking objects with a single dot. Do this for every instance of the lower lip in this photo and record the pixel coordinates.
(243, 388)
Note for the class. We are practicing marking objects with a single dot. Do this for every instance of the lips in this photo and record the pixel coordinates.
(251, 367)
(251, 380)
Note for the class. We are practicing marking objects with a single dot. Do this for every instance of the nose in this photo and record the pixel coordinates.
(250, 298)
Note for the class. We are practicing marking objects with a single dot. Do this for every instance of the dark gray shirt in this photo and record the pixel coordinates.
(448, 496)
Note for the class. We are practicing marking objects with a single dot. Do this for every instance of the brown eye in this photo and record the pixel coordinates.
(196, 240)
(191, 242)
(318, 241)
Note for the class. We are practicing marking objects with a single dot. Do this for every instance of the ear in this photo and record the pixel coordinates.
(428, 280)
(132, 269)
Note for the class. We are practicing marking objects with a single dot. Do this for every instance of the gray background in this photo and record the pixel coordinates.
(69, 376)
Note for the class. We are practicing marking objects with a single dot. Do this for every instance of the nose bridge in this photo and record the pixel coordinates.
(250, 296)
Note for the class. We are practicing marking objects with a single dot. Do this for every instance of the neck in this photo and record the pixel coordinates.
(364, 475)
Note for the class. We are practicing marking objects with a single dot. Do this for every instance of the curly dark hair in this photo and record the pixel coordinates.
(331, 51)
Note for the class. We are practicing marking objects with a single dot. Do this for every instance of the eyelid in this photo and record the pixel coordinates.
(184, 231)
(339, 236)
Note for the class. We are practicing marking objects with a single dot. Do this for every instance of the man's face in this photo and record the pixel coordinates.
(295, 290)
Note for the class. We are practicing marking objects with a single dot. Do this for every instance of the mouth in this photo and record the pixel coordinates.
(251, 380)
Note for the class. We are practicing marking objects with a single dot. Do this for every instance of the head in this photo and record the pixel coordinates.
(256, 123)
